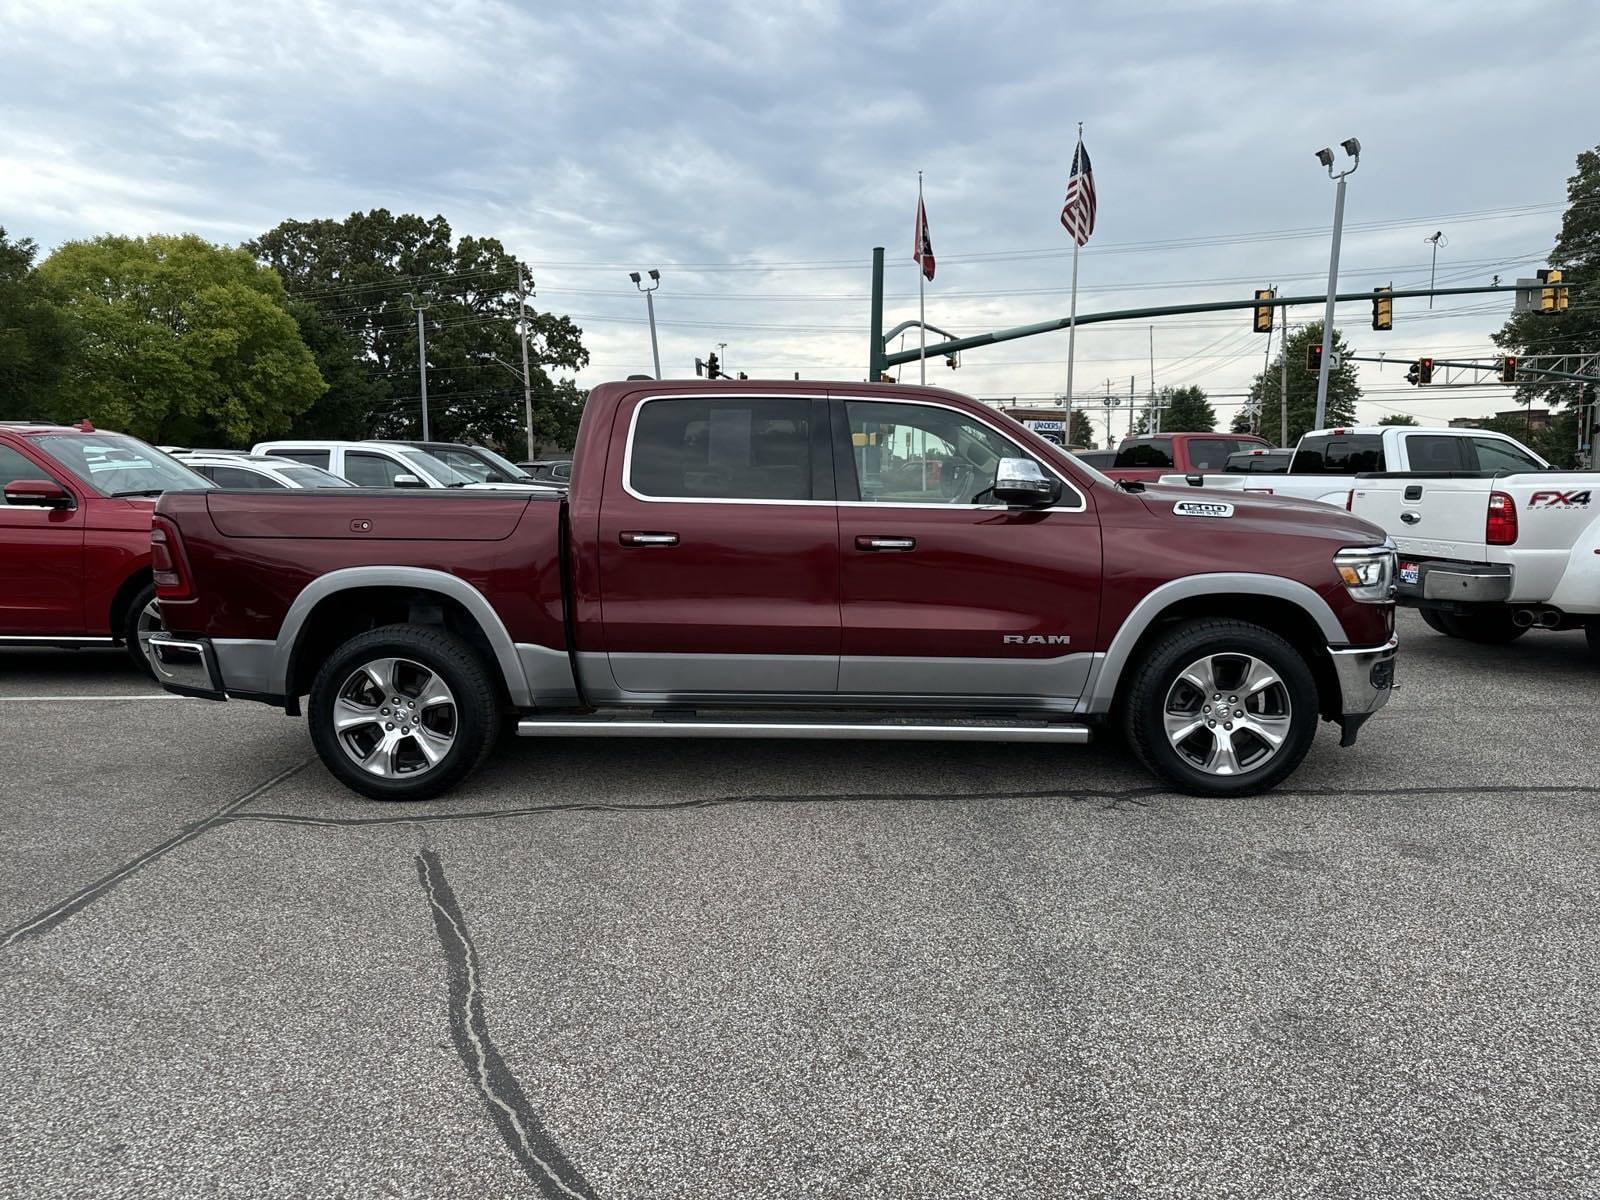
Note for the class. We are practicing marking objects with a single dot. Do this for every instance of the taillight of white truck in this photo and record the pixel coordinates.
(1500, 526)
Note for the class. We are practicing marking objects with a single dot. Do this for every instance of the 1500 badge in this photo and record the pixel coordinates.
(1559, 499)
(1202, 508)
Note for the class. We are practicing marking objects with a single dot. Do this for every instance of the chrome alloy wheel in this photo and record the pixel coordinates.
(1227, 714)
(149, 622)
(395, 717)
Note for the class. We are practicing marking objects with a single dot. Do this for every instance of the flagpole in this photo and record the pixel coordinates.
(922, 311)
(1072, 316)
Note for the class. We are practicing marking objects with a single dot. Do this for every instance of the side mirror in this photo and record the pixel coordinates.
(1020, 482)
(409, 481)
(37, 493)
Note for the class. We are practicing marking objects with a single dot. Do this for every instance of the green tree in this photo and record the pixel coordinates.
(361, 273)
(1082, 433)
(34, 338)
(179, 340)
(1577, 254)
(1187, 411)
(1343, 390)
(1398, 419)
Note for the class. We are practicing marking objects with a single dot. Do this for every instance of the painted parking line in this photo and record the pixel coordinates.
(70, 696)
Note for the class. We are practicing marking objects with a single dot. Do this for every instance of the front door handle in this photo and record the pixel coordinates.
(868, 541)
(637, 538)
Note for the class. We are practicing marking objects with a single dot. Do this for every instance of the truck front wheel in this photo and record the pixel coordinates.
(404, 712)
(1221, 708)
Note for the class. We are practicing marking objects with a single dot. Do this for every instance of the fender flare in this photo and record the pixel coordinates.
(421, 578)
(1102, 685)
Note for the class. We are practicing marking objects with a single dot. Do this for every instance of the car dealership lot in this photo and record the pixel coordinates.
(688, 968)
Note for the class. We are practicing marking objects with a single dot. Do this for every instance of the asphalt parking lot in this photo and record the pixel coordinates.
(700, 969)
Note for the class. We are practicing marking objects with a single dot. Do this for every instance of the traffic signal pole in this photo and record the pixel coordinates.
(881, 358)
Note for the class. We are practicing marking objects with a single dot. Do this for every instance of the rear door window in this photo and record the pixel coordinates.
(1339, 454)
(1149, 453)
(315, 458)
(741, 448)
(1439, 452)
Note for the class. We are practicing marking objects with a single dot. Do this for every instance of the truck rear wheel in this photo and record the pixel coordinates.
(1221, 708)
(404, 712)
(1592, 632)
(1434, 620)
(142, 620)
(1487, 626)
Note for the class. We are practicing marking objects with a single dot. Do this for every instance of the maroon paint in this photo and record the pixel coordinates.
(1182, 463)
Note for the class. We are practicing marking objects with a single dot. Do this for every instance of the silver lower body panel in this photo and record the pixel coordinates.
(596, 727)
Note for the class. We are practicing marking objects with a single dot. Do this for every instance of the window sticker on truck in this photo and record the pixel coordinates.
(1559, 499)
(1202, 508)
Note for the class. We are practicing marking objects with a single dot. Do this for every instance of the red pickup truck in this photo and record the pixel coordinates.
(1147, 458)
(769, 560)
(75, 535)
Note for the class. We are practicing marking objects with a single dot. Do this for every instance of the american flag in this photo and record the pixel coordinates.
(1077, 213)
(923, 254)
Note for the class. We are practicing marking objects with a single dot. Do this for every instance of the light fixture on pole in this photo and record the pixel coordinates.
(650, 305)
(1352, 147)
(1438, 239)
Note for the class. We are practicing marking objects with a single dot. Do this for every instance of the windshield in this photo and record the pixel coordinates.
(511, 472)
(312, 477)
(114, 464)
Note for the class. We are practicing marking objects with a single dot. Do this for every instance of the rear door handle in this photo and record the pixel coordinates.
(632, 537)
(868, 541)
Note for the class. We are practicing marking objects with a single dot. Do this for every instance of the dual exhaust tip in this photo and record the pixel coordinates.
(1527, 618)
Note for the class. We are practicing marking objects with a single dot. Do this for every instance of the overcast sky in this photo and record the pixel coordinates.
(755, 155)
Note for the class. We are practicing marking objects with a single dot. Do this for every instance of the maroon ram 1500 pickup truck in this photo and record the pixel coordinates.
(785, 559)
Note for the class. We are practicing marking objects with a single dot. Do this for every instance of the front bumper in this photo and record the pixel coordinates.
(1366, 677)
(186, 666)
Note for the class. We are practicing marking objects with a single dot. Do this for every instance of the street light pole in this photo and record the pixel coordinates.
(650, 307)
(1325, 156)
(420, 302)
(522, 326)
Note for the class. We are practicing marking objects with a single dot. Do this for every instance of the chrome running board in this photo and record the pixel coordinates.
(601, 726)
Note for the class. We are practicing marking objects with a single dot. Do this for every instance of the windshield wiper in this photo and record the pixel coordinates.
(1131, 485)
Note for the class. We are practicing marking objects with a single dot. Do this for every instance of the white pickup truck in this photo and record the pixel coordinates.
(1488, 556)
(1327, 461)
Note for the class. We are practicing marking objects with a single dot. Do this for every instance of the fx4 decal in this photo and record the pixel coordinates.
(1559, 499)
(1036, 639)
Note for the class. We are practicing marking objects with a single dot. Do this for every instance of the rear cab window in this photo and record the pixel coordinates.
(312, 458)
(1439, 452)
(1211, 454)
(1339, 454)
(1146, 453)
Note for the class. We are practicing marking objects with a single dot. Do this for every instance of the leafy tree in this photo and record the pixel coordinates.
(344, 410)
(34, 338)
(1343, 390)
(360, 274)
(1577, 254)
(1187, 411)
(1082, 429)
(179, 340)
(1398, 419)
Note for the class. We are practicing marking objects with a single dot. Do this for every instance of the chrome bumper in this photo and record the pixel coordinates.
(188, 668)
(1366, 677)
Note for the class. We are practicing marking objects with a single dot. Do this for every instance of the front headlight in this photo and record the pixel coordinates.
(1367, 572)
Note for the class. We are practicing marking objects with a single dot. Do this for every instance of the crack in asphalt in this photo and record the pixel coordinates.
(514, 1117)
(1137, 797)
(1133, 796)
(57, 913)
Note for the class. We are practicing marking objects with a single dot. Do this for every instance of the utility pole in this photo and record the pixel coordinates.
(723, 346)
(1283, 383)
(1155, 413)
(522, 325)
(1438, 236)
(1352, 147)
(420, 302)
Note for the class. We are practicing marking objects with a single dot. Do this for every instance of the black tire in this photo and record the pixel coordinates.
(1435, 620)
(136, 628)
(1592, 632)
(472, 716)
(1157, 678)
(1486, 626)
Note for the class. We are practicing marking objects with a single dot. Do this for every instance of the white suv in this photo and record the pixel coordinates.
(381, 465)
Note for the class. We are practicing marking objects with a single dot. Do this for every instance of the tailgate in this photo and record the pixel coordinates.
(1428, 516)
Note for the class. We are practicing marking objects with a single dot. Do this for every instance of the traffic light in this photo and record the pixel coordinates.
(1508, 369)
(952, 361)
(1383, 307)
(1314, 356)
(742, 375)
(1263, 312)
(713, 367)
(1552, 295)
(1424, 370)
